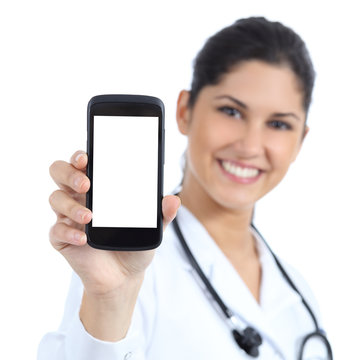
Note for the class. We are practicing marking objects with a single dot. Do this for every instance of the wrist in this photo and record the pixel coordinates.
(107, 316)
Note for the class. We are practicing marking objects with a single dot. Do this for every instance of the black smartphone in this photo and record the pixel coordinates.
(125, 146)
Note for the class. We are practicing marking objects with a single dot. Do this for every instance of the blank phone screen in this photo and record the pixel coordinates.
(125, 171)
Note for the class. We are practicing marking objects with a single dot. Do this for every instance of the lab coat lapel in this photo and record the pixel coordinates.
(239, 299)
(276, 295)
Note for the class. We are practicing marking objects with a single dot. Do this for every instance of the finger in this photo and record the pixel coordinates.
(65, 205)
(65, 220)
(68, 178)
(79, 160)
(79, 198)
(170, 205)
(62, 235)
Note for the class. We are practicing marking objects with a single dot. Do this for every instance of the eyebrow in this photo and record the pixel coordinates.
(244, 106)
(238, 102)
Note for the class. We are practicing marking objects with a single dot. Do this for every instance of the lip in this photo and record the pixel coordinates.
(237, 179)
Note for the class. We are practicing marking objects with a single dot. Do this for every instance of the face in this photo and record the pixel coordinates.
(243, 133)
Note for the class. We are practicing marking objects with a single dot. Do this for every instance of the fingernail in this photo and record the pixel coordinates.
(78, 157)
(83, 215)
(87, 217)
(77, 182)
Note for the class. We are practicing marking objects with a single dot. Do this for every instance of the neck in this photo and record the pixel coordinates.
(229, 228)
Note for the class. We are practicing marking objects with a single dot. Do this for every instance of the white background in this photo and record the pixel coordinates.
(55, 55)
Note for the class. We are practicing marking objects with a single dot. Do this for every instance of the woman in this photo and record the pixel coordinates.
(245, 120)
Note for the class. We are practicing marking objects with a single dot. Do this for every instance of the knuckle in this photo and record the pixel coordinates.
(53, 167)
(53, 164)
(53, 233)
(59, 233)
(53, 197)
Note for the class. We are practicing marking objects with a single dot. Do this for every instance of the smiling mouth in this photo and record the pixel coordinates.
(239, 171)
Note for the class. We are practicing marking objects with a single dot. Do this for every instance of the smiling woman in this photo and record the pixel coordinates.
(251, 122)
(245, 121)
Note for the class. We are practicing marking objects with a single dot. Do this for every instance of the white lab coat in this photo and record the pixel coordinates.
(175, 320)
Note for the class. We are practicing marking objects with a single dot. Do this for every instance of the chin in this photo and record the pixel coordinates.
(233, 200)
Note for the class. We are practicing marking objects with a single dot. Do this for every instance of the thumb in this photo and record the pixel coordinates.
(170, 205)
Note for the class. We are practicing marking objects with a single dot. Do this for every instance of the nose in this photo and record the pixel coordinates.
(250, 142)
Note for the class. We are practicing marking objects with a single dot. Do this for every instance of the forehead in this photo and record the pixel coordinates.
(259, 84)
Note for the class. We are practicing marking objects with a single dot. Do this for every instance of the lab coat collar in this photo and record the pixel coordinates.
(275, 293)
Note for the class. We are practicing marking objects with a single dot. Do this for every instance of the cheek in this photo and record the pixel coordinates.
(200, 148)
(283, 152)
(207, 136)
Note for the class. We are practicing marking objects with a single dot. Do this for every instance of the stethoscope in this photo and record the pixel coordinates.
(249, 338)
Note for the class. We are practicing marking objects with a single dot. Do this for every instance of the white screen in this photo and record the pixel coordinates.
(125, 168)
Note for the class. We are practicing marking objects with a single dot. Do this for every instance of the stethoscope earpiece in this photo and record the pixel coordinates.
(249, 340)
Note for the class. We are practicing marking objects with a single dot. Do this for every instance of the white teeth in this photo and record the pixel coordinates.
(239, 171)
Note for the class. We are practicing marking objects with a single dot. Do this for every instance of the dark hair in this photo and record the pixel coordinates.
(254, 38)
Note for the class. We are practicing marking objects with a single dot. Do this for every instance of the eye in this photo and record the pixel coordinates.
(280, 125)
(230, 111)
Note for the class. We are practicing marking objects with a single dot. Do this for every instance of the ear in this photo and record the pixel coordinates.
(305, 132)
(183, 112)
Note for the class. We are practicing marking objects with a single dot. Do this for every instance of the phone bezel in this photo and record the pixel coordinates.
(125, 238)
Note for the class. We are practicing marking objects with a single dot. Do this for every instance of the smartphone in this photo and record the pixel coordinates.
(125, 146)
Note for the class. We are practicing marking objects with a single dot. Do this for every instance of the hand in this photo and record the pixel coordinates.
(101, 271)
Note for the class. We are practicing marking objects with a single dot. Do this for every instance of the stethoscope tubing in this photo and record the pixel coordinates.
(229, 314)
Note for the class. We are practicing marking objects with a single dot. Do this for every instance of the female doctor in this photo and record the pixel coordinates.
(213, 290)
